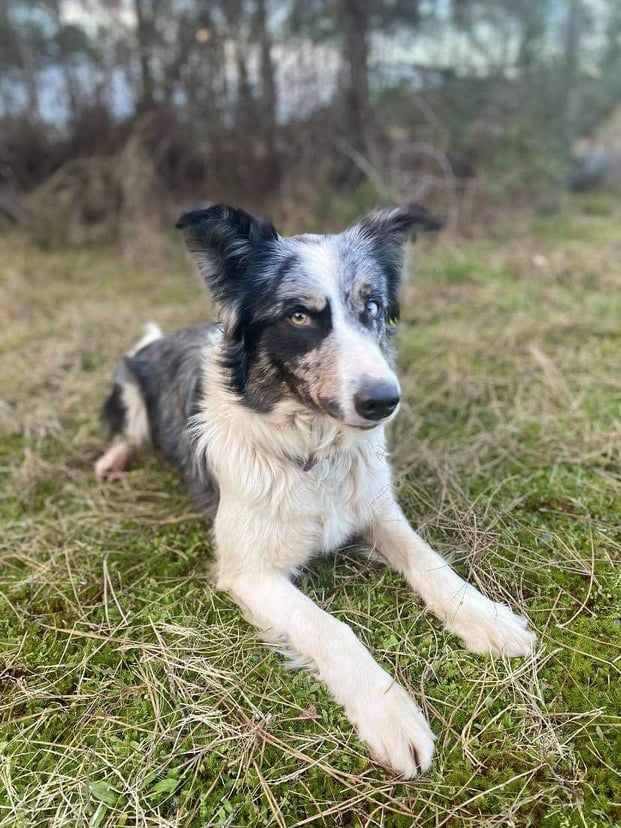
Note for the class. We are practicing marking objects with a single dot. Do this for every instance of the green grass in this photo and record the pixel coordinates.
(134, 694)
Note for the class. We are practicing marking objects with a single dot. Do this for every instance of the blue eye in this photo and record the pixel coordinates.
(372, 308)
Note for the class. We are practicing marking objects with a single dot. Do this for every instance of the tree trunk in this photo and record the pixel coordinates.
(243, 110)
(533, 16)
(29, 67)
(571, 102)
(354, 19)
(268, 93)
(613, 44)
(144, 28)
(71, 86)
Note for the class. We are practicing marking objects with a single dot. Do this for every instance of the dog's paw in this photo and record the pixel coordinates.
(112, 463)
(396, 731)
(489, 628)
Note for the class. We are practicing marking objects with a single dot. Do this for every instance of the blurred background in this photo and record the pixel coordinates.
(114, 115)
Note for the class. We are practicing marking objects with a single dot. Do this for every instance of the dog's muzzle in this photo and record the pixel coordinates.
(376, 399)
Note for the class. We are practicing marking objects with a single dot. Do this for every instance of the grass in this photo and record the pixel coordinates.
(133, 694)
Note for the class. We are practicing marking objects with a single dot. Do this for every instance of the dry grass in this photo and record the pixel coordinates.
(133, 694)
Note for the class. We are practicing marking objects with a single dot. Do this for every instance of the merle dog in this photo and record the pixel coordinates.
(276, 417)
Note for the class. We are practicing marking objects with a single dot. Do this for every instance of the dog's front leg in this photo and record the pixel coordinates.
(384, 715)
(483, 625)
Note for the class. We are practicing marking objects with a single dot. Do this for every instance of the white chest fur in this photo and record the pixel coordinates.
(276, 508)
(339, 494)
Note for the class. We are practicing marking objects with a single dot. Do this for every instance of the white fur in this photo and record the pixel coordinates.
(356, 355)
(137, 427)
(152, 331)
(275, 513)
(113, 461)
(483, 625)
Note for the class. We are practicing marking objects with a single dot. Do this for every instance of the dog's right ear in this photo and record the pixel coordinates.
(224, 241)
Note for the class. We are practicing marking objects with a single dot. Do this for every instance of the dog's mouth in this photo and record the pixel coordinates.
(369, 425)
(333, 410)
(360, 425)
(336, 413)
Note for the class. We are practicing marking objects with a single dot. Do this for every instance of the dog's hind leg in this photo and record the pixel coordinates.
(125, 415)
(125, 419)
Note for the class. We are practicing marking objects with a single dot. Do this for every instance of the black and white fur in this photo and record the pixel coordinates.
(276, 418)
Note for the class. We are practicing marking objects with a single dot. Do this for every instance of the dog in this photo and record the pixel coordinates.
(276, 417)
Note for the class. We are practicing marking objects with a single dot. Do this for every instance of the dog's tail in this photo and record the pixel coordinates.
(151, 332)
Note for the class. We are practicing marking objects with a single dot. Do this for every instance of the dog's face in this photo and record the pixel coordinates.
(307, 317)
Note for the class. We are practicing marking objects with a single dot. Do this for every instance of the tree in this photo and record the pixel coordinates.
(571, 102)
(145, 29)
(269, 102)
(355, 20)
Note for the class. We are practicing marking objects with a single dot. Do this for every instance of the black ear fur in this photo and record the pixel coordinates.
(223, 241)
(387, 231)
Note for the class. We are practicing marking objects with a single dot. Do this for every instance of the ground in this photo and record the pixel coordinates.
(134, 694)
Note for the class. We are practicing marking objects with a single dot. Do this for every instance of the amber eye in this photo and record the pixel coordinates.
(372, 308)
(299, 319)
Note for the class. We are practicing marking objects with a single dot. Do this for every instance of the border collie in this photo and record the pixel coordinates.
(276, 418)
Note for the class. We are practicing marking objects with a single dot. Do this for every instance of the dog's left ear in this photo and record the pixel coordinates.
(396, 224)
(224, 241)
(387, 231)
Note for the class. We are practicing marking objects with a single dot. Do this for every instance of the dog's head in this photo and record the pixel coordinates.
(307, 317)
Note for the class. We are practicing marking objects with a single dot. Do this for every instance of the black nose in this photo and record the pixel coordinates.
(376, 399)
